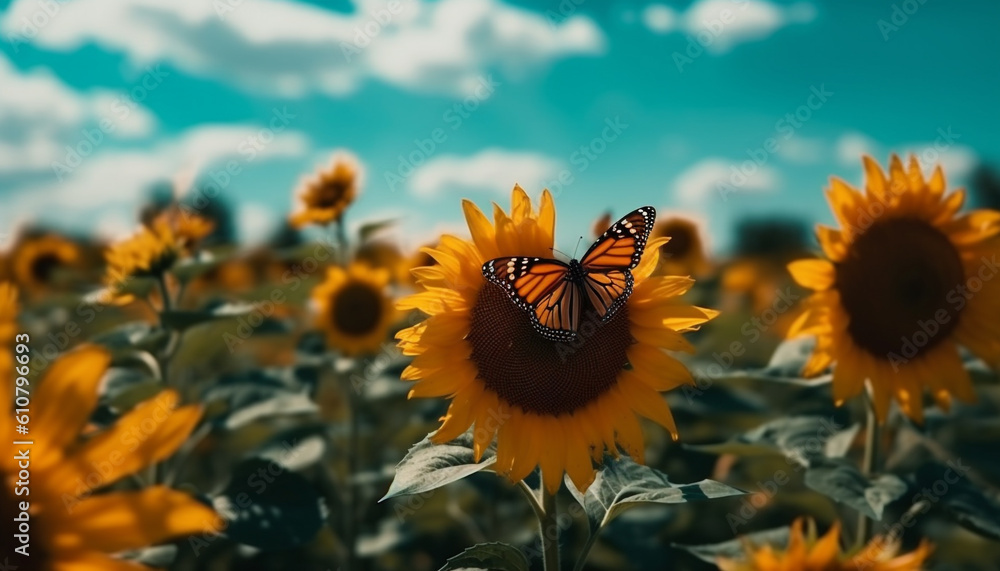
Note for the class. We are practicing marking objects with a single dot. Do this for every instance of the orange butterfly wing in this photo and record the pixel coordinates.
(539, 286)
(608, 264)
(552, 291)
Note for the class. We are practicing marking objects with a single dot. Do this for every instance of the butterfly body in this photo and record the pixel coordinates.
(554, 292)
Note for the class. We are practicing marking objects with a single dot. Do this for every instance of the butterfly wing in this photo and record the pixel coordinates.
(539, 286)
(608, 291)
(608, 264)
(621, 245)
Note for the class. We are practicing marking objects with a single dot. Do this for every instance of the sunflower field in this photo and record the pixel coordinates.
(575, 371)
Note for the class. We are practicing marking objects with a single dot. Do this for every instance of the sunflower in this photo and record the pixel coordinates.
(383, 254)
(354, 308)
(152, 250)
(35, 261)
(907, 281)
(418, 259)
(554, 405)
(684, 254)
(71, 526)
(8, 329)
(807, 553)
(188, 228)
(326, 196)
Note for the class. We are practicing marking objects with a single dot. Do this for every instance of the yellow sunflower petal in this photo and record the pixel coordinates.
(128, 520)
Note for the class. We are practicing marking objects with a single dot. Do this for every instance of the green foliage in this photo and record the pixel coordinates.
(428, 466)
(622, 484)
(488, 557)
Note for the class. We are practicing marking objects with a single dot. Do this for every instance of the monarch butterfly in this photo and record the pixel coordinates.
(552, 291)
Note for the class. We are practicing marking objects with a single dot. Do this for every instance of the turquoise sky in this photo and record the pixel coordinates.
(694, 89)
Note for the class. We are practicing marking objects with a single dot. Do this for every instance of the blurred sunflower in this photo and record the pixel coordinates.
(354, 308)
(554, 405)
(36, 261)
(188, 228)
(326, 196)
(72, 527)
(8, 329)
(684, 254)
(807, 553)
(383, 254)
(907, 281)
(152, 250)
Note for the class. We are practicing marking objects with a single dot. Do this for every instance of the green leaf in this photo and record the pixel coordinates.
(136, 335)
(256, 395)
(841, 481)
(735, 548)
(181, 320)
(369, 229)
(785, 367)
(428, 466)
(275, 512)
(621, 484)
(803, 439)
(295, 449)
(188, 269)
(967, 504)
(489, 557)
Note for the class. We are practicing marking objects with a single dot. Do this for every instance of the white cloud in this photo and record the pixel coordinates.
(803, 150)
(851, 146)
(40, 115)
(716, 178)
(659, 18)
(116, 181)
(255, 223)
(719, 25)
(493, 170)
(957, 160)
(292, 48)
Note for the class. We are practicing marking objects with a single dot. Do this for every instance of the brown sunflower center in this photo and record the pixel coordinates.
(895, 285)
(542, 376)
(357, 309)
(681, 241)
(43, 266)
(38, 557)
(331, 193)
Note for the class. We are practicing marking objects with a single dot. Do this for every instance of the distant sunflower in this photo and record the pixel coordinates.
(35, 261)
(354, 308)
(188, 228)
(805, 552)
(684, 254)
(554, 405)
(8, 329)
(383, 254)
(326, 196)
(153, 249)
(74, 523)
(907, 281)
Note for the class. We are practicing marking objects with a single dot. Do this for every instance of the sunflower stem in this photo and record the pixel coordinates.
(549, 530)
(582, 559)
(869, 466)
(532, 499)
(342, 240)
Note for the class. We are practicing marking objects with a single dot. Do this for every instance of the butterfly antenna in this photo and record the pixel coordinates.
(558, 251)
(577, 248)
